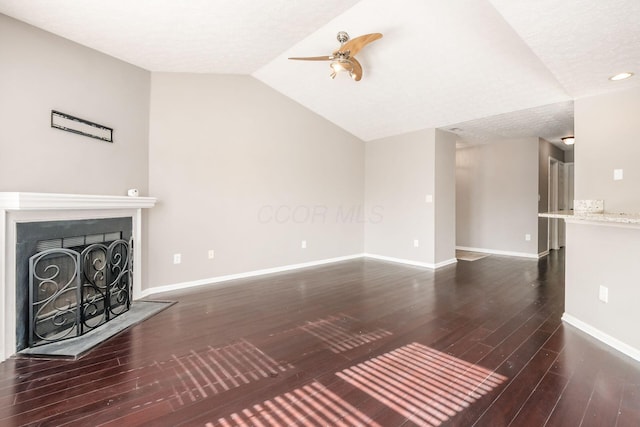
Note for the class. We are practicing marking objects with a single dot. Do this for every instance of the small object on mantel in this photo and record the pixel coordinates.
(588, 206)
(132, 192)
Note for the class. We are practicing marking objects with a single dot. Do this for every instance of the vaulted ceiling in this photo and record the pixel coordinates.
(491, 68)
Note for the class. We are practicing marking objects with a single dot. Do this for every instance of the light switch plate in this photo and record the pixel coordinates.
(618, 174)
(603, 295)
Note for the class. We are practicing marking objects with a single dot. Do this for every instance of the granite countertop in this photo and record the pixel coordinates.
(611, 217)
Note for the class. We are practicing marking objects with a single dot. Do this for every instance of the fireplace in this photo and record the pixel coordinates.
(71, 277)
(94, 229)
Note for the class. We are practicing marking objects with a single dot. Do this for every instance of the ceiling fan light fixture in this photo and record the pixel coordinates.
(621, 76)
(569, 140)
(341, 65)
(344, 59)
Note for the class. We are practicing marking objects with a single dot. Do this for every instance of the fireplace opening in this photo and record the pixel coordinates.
(72, 291)
(72, 277)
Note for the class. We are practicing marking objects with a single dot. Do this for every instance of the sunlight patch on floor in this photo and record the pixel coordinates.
(198, 375)
(338, 333)
(310, 405)
(424, 385)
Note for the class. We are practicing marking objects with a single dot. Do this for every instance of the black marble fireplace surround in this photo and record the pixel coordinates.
(34, 237)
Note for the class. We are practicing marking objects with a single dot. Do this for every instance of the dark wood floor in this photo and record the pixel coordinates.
(362, 342)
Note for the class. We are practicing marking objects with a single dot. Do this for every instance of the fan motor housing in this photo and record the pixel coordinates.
(342, 37)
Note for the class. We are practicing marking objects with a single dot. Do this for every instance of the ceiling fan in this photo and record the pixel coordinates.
(344, 59)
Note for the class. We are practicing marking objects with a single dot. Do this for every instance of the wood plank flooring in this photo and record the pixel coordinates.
(362, 342)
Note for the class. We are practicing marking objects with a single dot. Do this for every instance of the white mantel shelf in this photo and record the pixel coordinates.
(17, 201)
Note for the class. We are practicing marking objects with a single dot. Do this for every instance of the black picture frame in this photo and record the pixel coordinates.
(79, 126)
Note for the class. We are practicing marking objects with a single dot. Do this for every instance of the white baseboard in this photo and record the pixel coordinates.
(498, 252)
(219, 279)
(450, 261)
(543, 254)
(411, 262)
(622, 347)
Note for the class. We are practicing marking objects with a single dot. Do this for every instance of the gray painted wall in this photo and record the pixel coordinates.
(247, 172)
(445, 196)
(569, 156)
(607, 135)
(604, 255)
(401, 171)
(399, 175)
(545, 150)
(497, 196)
(40, 72)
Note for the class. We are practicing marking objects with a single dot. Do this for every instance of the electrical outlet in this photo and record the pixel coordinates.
(211, 254)
(428, 198)
(177, 258)
(416, 243)
(303, 244)
(603, 294)
(527, 237)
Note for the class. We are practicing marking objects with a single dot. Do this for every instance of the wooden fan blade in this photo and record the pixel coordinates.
(356, 73)
(314, 58)
(354, 45)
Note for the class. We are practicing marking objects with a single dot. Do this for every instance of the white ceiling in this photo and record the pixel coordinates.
(494, 68)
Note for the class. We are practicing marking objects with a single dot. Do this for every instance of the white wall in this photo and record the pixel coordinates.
(243, 170)
(401, 171)
(40, 72)
(497, 196)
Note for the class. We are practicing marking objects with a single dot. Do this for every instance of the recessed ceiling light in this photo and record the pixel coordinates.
(621, 76)
(455, 129)
(569, 140)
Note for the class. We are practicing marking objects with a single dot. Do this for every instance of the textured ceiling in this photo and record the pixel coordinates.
(582, 42)
(438, 63)
(547, 121)
(494, 68)
(198, 36)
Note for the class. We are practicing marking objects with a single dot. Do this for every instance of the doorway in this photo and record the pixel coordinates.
(560, 198)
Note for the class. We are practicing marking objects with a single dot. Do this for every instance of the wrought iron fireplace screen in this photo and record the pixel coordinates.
(74, 290)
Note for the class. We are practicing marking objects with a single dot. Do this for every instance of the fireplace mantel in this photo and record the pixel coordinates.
(16, 207)
(51, 201)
